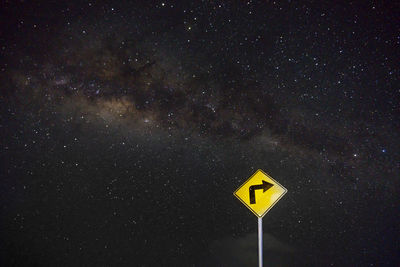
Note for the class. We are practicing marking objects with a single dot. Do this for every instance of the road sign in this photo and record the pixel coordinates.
(260, 193)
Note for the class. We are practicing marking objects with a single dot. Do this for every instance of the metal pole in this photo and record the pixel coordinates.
(260, 243)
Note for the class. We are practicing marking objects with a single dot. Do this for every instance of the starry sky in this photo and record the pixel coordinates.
(125, 127)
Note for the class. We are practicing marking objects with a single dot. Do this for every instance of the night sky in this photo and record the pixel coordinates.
(125, 127)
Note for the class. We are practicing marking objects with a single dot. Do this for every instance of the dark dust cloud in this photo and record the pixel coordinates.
(126, 126)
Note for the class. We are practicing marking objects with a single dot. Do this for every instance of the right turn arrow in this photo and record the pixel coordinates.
(264, 186)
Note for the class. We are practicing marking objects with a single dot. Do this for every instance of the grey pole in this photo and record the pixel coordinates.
(260, 243)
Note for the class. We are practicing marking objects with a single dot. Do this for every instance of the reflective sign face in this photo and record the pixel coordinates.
(260, 193)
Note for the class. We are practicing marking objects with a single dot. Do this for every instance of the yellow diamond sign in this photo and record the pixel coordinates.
(260, 193)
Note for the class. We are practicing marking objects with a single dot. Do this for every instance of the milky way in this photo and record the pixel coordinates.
(125, 127)
(138, 81)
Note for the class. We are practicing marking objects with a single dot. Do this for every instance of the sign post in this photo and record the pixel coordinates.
(259, 194)
(260, 243)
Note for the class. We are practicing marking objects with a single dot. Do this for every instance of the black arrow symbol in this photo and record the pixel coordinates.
(264, 186)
